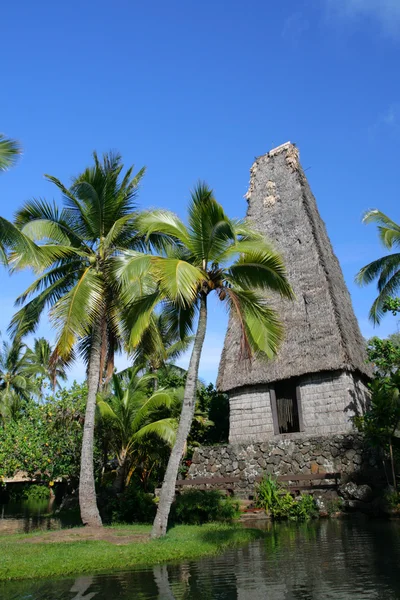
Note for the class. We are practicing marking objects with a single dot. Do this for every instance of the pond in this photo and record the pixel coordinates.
(350, 559)
(16, 517)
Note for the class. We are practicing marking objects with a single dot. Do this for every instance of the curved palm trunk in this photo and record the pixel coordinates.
(119, 481)
(87, 493)
(185, 422)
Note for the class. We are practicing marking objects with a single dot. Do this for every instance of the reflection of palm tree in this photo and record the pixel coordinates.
(81, 585)
(162, 581)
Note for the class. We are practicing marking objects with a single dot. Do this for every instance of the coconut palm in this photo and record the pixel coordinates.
(385, 270)
(132, 419)
(159, 345)
(9, 152)
(213, 254)
(17, 385)
(43, 365)
(77, 245)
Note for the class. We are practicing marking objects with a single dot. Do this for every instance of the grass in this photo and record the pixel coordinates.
(25, 559)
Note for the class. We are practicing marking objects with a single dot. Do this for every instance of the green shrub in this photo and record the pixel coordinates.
(34, 493)
(271, 496)
(268, 493)
(393, 499)
(334, 505)
(196, 507)
(132, 506)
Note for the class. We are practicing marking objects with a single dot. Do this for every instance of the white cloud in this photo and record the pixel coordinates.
(386, 12)
(294, 26)
(388, 121)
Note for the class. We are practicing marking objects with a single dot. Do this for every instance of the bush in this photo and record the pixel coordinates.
(29, 493)
(280, 505)
(132, 506)
(196, 507)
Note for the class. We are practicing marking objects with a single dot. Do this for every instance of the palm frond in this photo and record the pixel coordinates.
(10, 150)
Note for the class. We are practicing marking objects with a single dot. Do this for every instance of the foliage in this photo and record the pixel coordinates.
(46, 371)
(183, 543)
(132, 506)
(45, 442)
(385, 270)
(392, 305)
(381, 420)
(34, 493)
(195, 507)
(334, 505)
(136, 422)
(9, 152)
(272, 497)
(393, 500)
(384, 354)
(17, 384)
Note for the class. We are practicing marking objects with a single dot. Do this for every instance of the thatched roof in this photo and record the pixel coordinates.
(321, 330)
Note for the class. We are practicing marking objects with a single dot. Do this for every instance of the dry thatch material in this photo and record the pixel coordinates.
(321, 330)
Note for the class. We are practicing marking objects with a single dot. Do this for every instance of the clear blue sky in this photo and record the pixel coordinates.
(197, 90)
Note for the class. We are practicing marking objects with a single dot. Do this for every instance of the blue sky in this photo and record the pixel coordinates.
(197, 90)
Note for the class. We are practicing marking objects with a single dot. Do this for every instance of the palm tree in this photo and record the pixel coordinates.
(133, 418)
(386, 269)
(9, 152)
(43, 365)
(213, 254)
(17, 385)
(159, 345)
(77, 246)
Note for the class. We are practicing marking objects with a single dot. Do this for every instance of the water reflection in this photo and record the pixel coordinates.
(336, 560)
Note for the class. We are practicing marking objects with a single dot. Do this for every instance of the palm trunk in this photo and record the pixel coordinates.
(119, 481)
(87, 493)
(189, 402)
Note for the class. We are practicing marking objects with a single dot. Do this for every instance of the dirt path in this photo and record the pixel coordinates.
(118, 537)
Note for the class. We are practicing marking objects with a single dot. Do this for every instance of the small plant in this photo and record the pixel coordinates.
(334, 505)
(393, 499)
(196, 507)
(36, 493)
(272, 497)
(268, 493)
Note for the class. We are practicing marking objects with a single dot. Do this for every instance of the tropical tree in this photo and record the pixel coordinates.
(43, 366)
(77, 245)
(213, 254)
(132, 419)
(159, 345)
(386, 270)
(9, 152)
(16, 382)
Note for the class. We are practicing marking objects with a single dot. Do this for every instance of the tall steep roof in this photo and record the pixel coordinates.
(321, 330)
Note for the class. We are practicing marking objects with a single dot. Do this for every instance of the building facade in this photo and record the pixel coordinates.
(317, 382)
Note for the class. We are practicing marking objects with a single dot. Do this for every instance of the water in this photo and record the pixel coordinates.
(24, 517)
(343, 560)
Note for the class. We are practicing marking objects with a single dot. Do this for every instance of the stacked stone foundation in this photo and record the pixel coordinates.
(345, 454)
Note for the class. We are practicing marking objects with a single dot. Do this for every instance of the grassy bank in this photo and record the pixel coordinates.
(34, 556)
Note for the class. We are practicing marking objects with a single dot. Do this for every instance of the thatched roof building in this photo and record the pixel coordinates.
(323, 344)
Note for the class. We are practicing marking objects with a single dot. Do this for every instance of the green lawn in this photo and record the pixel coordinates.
(21, 558)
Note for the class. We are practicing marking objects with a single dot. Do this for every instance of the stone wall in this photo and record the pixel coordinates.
(311, 454)
(327, 402)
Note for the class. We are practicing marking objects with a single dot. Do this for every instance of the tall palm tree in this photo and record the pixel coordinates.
(9, 152)
(77, 245)
(213, 254)
(43, 365)
(386, 269)
(16, 382)
(132, 417)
